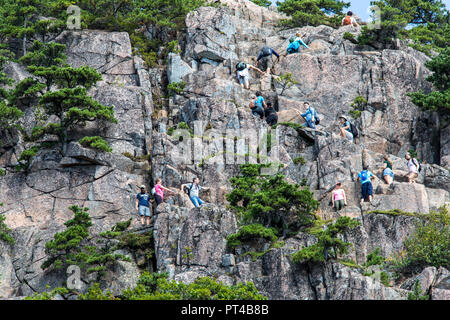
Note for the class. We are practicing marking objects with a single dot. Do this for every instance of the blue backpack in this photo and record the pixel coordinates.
(293, 47)
(364, 175)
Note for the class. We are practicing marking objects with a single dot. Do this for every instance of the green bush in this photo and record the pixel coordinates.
(252, 231)
(174, 88)
(299, 160)
(76, 246)
(157, 287)
(5, 232)
(429, 245)
(95, 293)
(95, 142)
(270, 200)
(417, 293)
(328, 244)
(358, 104)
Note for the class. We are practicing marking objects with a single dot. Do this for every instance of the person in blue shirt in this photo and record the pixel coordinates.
(143, 205)
(365, 177)
(258, 104)
(265, 55)
(295, 43)
(310, 116)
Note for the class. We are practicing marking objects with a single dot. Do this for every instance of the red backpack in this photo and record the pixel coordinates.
(347, 20)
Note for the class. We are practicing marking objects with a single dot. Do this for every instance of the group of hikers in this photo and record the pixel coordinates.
(156, 197)
(338, 198)
(265, 110)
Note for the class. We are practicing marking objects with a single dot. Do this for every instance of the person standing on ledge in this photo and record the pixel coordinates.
(143, 205)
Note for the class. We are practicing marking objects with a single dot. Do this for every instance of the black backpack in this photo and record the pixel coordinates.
(354, 130)
(241, 66)
(266, 51)
(188, 190)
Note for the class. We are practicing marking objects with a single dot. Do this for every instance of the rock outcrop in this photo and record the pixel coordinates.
(191, 242)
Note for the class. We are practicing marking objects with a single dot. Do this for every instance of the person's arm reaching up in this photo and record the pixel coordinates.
(304, 44)
(275, 53)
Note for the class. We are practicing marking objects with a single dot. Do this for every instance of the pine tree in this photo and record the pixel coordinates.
(262, 3)
(21, 19)
(270, 200)
(312, 12)
(439, 99)
(69, 102)
(9, 114)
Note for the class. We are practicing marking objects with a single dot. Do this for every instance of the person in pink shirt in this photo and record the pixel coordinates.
(338, 198)
(159, 191)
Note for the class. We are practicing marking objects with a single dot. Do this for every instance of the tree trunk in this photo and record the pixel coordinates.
(24, 40)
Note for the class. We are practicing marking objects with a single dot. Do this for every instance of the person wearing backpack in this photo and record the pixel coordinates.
(295, 43)
(265, 58)
(413, 168)
(388, 174)
(349, 20)
(270, 114)
(143, 205)
(193, 191)
(243, 73)
(365, 177)
(346, 128)
(257, 105)
(310, 116)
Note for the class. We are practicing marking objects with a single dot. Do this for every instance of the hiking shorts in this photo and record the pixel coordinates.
(366, 190)
(349, 135)
(412, 175)
(243, 80)
(266, 63)
(144, 211)
(388, 172)
(339, 204)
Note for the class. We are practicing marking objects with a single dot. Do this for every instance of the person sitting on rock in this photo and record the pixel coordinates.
(349, 20)
(413, 168)
(265, 58)
(346, 130)
(388, 174)
(159, 191)
(257, 105)
(365, 177)
(193, 191)
(295, 43)
(143, 205)
(310, 116)
(270, 114)
(243, 73)
(338, 198)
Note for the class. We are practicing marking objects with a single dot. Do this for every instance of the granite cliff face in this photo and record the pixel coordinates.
(330, 75)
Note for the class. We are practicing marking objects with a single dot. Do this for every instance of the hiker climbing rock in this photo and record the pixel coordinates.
(346, 129)
(266, 60)
(413, 168)
(365, 177)
(295, 44)
(338, 197)
(270, 114)
(388, 174)
(349, 20)
(243, 73)
(159, 192)
(310, 116)
(193, 190)
(143, 205)
(257, 105)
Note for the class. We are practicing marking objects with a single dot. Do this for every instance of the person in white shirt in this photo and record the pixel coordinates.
(243, 74)
(349, 20)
